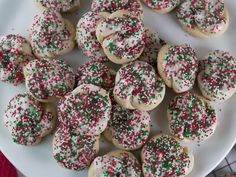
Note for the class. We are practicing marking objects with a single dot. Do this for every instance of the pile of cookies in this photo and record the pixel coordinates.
(97, 100)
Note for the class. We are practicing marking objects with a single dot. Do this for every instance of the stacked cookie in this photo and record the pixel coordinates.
(116, 103)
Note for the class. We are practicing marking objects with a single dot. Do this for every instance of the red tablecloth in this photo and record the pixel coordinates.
(6, 168)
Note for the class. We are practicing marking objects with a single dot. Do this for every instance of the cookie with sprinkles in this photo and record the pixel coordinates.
(86, 34)
(137, 86)
(29, 120)
(178, 65)
(111, 6)
(164, 156)
(153, 44)
(115, 163)
(86, 109)
(51, 35)
(15, 52)
(48, 80)
(121, 36)
(58, 5)
(73, 150)
(217, 76)
(204, 19)
(162, 6)
(128, 129)
(96, 73)
(191, 117)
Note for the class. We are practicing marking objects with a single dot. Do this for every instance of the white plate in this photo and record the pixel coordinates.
(37, 161)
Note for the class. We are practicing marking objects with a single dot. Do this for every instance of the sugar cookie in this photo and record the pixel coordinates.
(178, 65)
(191, 117)
(115, 163)
(73, 150)
(51, 35)
(121, 36)
(86, 34)
(137, 86)
(86, 109)
(96, 73)
(28, 120)
(59, 5)
(217, 76)
(153, 44)
(15, 52)
(48, 80)
(128, 129)
(204, 19)
(162, 6)
(111, 6)
(164, 156)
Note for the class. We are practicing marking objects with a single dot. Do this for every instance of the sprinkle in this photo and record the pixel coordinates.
(27, 120)
(74, 151)
(191, 117)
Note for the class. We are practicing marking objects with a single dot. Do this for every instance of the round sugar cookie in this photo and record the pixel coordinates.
(48, 80)
(115, 163)
(217, 76)
(137, 86)
(29, 120)
(122, 37)
(164, 156)
(51, 35)
(128, 129)
(178, 66)
(86, 35)
(191, 117)
(204, 19)
(85, 110)
(73, 150)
